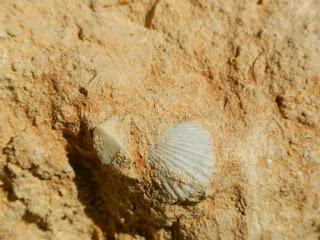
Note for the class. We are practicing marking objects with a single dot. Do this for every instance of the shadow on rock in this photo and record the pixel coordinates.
(114, 202)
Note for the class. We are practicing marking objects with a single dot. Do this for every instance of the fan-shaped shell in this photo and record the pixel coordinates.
(183, 161)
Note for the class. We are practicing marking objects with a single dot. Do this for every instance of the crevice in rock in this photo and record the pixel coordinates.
(7, 185)
(32, 218)
(175, 233)
(280, 104)
(89, 191)
(150, 15)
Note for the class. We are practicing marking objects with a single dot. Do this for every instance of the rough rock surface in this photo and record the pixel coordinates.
(249, 71)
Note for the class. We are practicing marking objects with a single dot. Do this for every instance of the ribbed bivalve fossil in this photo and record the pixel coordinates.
(109, 140)
(183, 161)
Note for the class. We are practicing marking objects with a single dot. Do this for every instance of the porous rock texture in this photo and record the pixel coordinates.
(248, 71)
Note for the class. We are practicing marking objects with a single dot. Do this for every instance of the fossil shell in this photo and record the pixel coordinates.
(183, 161)
(110, 143)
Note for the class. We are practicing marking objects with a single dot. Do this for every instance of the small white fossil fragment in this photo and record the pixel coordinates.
(183, 161)
(109, 140)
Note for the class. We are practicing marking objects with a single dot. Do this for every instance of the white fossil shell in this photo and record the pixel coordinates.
(110, 143)
(183, 162)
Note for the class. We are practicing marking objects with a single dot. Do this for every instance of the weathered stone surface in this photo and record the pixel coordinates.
(246, 70)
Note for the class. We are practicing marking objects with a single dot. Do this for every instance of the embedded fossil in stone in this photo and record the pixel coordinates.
(110, 143)
(182, 161)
